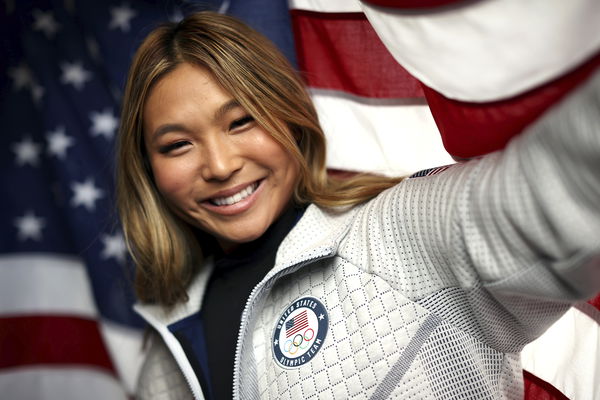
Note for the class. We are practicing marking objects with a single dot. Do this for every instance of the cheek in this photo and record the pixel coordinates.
(278, 157)
(287, 172)
(170, 180)
(285, 163)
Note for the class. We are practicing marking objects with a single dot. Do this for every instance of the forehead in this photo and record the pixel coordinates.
(187, 91)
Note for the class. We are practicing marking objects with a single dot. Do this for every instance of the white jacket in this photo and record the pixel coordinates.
(428, 291)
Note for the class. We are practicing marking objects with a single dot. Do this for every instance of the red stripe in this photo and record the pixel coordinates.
(472, 129)
(411, 3)
(538, 389)
(595, 302)
(300, 322)
(296, 330)
(51, 339)
(341, 51)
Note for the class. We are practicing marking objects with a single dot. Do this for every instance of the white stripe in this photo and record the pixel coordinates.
(326, 5)
(390, 137)
(45, 383)
(493, 49)
(44, 283)
(566, 356)
(125, 348)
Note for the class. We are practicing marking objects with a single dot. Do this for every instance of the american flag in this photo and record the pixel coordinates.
(67, 330)
(296, 324)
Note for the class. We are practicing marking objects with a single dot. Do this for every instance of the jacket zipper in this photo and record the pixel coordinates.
(247, 308)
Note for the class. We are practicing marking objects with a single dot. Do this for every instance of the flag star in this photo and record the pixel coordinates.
(276, 342)
(45, 22)
(321, 316)
(37, 92)
(29, 227)
(75, 74)
(86, 194)
(224, 8)
(27, 151)
(114, 247)
(93, 47)
(21, 76)
(59, 142)
(104, 123)
(121, 17)
(176, 16)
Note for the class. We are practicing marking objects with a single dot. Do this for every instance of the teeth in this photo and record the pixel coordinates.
(239, 196)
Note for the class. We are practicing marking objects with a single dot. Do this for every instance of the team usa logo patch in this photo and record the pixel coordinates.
(300, 332)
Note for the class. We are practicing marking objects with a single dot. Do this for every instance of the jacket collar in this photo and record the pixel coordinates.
(316, 235)
(158, 315)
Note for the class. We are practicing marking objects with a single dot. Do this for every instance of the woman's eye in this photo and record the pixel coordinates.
(171, 147)
(241, 122)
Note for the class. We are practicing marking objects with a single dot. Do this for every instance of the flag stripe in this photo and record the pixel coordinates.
(561, 356)
(536, 388)
(299, 322)
(595, 302)
(22, 293)
(451, 51)
(393, 137)
(64, 383)
(331, 6)
(52, 339)
(412, 3)
(341, 51)
(297, 329)
(461, 123)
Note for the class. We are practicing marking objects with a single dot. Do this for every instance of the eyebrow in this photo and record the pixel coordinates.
(225, 108)
(219, 114)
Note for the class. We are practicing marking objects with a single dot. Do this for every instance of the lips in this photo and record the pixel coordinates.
(234, 201)
(235, 198)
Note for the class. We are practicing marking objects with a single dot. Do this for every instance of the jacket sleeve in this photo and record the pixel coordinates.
(516, 232)
(528, 219)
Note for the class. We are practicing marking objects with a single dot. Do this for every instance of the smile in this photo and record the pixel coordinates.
(235, 198)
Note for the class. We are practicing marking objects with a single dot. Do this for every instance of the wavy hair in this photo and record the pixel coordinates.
(165, 249)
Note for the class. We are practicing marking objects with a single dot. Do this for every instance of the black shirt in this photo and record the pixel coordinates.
(230, 285)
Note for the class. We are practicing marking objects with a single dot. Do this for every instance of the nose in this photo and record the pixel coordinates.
(221, 160)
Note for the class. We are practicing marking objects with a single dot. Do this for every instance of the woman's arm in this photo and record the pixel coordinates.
(511, 239)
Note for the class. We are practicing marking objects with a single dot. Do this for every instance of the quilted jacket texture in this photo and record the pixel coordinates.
(431, 289)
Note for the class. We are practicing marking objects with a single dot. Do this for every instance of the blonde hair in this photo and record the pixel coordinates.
(248, 66)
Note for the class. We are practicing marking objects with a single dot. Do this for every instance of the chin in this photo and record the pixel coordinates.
(232, 239)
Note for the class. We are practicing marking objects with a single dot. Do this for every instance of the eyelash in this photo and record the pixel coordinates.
(238, 123)
(170, 147)
(241, 122)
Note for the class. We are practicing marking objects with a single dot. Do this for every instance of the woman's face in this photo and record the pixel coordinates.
(215, 166)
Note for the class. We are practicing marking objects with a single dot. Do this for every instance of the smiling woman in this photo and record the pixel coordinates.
(262, 277)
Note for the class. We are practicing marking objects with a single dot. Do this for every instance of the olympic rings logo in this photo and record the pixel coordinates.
(299, 342)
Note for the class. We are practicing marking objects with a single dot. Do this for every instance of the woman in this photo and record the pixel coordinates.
(262, 275)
